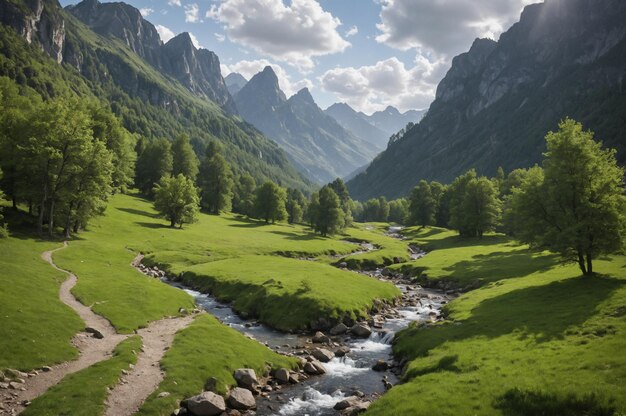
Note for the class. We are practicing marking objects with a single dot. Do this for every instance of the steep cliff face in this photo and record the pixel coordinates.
(318, 145)
(36, 20)
(197, 69)
(564, 58)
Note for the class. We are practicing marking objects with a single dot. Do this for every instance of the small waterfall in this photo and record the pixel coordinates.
(311, 401)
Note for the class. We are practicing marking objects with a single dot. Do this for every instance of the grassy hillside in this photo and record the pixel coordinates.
(238, 260)
(35, 326)
(537, 335)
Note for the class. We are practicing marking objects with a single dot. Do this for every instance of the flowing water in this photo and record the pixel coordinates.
(345, 375)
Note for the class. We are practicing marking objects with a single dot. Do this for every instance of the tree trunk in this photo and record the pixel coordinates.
(589, 264)
(68, 222)
(172, 223)
(42, 209)
(51, 219)
(14, 202)
(581, 263)
(76, 227)
(30, 207)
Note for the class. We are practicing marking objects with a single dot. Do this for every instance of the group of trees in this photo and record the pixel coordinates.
(573, 205)
(61, 158)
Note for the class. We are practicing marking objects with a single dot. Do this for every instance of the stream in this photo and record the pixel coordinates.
(344, 375)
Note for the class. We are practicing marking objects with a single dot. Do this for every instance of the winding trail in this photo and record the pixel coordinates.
(134, 386)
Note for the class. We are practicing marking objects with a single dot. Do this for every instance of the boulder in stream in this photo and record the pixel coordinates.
(314, 368)
(322, 354)
(339, 329)
(381, 365)
(282, 375)
(361, 330)
(320, 338)
(347, 402)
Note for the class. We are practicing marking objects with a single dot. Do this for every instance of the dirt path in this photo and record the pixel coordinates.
(91, 349)
(134, 387)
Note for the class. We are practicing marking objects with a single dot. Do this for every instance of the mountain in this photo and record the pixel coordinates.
(357, 124)
(235, 82)
(108, 52)
(197, 69)
(318, 145)
(564, 58)
(391, 120)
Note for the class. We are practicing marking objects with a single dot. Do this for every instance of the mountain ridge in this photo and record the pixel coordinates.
(499, 99)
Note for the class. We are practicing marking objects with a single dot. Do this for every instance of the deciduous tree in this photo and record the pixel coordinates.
(176, 199)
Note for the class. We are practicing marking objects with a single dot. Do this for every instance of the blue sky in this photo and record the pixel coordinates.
(368, 53)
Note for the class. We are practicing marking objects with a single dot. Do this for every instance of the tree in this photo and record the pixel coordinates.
(575, 206)
(296, 206)
(245, 193)
(184, 159)
(371, 210)
(328, 215)
(216, 183)
(108, 129)
(383, 209)
(270, 202)
(481, 206)
(4, 230)
(457, 192)
(423, 205)
(176, 199)
(153, 163)
(442, 199)
(399, 210)
(341, 190)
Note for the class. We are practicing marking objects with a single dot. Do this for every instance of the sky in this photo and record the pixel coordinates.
(367, 53)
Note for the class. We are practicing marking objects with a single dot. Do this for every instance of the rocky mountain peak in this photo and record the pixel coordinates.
(264, 86)
(304, 96)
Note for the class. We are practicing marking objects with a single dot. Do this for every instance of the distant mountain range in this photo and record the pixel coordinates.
(110, 52)
(318, 145)
(235, 82)
(564, 58)
(378, 127)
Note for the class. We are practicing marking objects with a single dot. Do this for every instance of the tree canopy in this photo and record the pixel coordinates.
(176, 199)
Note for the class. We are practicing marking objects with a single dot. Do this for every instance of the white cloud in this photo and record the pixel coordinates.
(191, 13)
(164, 32)
(352, 31)
(374, 87)
(220, 37)
(146, 11)
(194, 40)
(294, 33)
(250, 68)
(174, 3)
(444, 27)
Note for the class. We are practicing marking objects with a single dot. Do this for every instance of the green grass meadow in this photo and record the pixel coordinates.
(536, 338)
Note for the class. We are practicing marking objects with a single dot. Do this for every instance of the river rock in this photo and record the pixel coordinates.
(347, 402)
(339, 329)
(282, 375)
(356, 409)
(93, 331)
(320, 338)
(341, 351)
(206, 404)
(361, 330)
(314, 368)
(322, 354)
(241, 399)
(246, 378)
(381, 365)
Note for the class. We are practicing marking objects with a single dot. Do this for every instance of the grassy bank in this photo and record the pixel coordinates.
(193, 359)
(84, 392)
(35, 326)
(537, 335)
(288, 294)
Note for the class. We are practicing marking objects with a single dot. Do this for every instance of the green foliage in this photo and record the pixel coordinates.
(244, 196)
(516, 402)
(576, 205)
(376, 209)
(176, 198)
(216, 183)
(269, 204)
(346, 202)
(474, 205)
(191, 360)
(296, 206)
(4, 230)
(184, 160)
(85, 392)
(423, 205)
(326, 212)
(399, 211)
(154, 162)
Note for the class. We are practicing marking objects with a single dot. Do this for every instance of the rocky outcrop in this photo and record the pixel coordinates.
(206, 404)
(564, 58)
